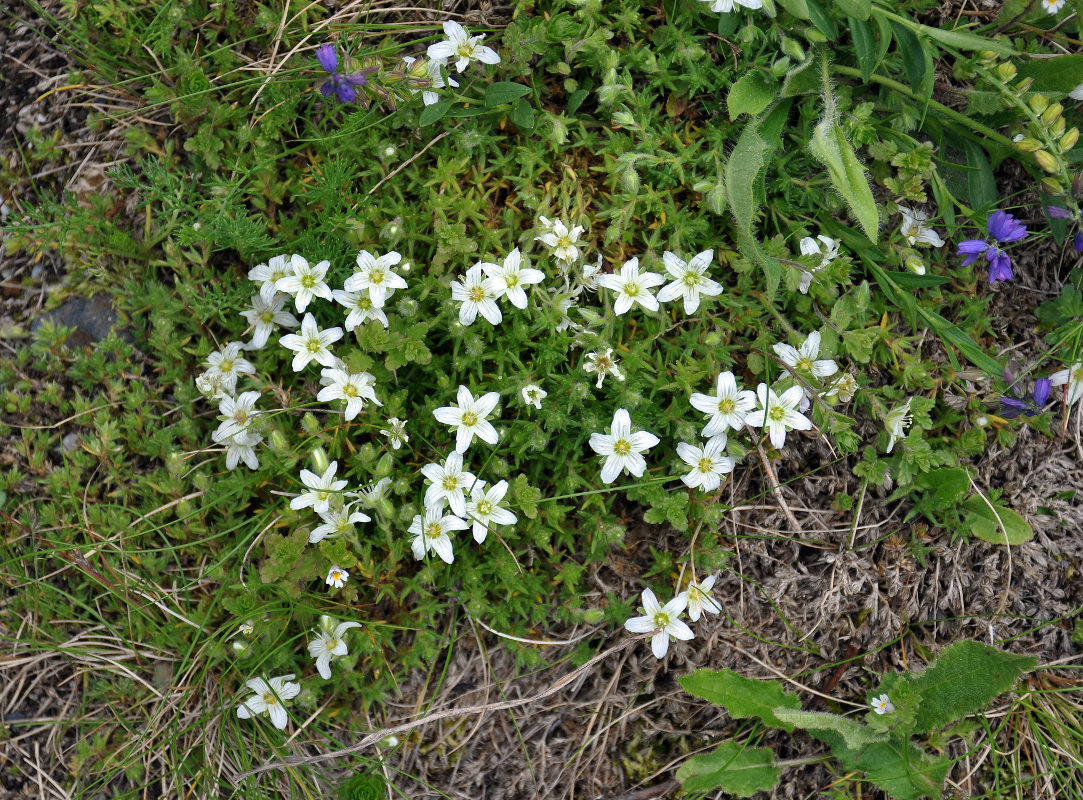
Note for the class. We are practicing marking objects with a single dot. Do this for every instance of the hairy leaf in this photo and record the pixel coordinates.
(998, 524)
(733, 768)
(742, 697)
(854, 735)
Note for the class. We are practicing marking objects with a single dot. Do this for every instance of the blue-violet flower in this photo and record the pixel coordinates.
(1004, 228)
(340, 84)
(1015, 402)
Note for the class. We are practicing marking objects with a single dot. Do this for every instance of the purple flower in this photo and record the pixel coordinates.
(1015, 402)
(1003, 228)
(1077, 242)
(339, 84)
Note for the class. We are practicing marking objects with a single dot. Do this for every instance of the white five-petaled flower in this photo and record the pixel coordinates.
(484, 508)
(1053, 6)
(533, 395)
(361, 308)
(337, 521)
(321, 488)
(329, 644)
(375, 276)
(844, 387)
(726, 408)
(210, 385)
(477, 294)
(267, 275)
(621, 448)
(470, 418)
(241, 447)
(778, 414)
(689, 279)
(827, 248)
(269, 697)
(311, 344)
(226, 365)
(700, 600)
(436, 80)
(914, 231)
(803, 359)
(511, 278)
(431, 533)
(882, 704)
(462, 47)
(1073, 379)
(395, 432)
(709, 463)
(353, 387)
(337, 576)
(305, 281)
(604, 363)
(632, 286)
(896, 423)
(448, 482)
(264, 315)
(562, 241)
(726, 6)
(663, 620)
(236, 414)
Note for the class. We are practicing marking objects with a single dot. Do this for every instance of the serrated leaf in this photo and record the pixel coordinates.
(733, 768)
(900, 768)
(742, 172)
(996, 525)
(751, 94)
(946, 486)
(741, 697)
(504, 92)
(433, 113)
(855, 735)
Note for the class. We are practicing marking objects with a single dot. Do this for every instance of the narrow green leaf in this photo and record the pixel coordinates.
(952, 333)
(857, 9)
(981, 185)
(733, 768)
(864, 46)
(996, 525)
(433, 113)
(855, 735)
(741, 697)
(575, 99)
(504, 92)
(912, 280)
(913, 55)
(751, 94)
(822, 21)
(886, 35)
(965, 40)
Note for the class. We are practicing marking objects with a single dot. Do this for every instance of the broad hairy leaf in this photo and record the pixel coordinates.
(743, 175)
(1058, 74)
(741, 697)
(733, 768)
(996, 525)
(854, 735)
(751, 94)
(898, 767)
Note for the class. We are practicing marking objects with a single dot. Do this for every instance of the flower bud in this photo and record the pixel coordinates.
(310, 424)
(383, 466)
(174, 463)
(1052, 186)
(240, 647)
(279, 443)
(1006, 71)
(1029, 145)
(780, 67)
(367, 453)
(1046, 160)
(320, 460)
(793, 49)
(1068, 140)
(1077, 184)
(592, 616)
(1052, 114)
(1024, 85)
(1038, 103)
(988, 56)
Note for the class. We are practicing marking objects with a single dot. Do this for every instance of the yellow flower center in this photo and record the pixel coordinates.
(621, 447)
(225, 366)
(269, 698)
(314, 346)
(511, 280)
(777, 413)
(661, 619)
(470, 419)
(433, 530)
(726, 405)
(485, 508)
(631, 289)
(451, 483)
(267, 317)
(376, 276)
(691, 279)
(477, 294)
(706, 465)
(308, 281)
(336, 575)
(805, 364)
(349, 390)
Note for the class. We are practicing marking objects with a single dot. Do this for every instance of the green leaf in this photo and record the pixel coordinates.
(981, 186)
(901, 769)
(855, 735)
(822, 20)
(868, 59)
(856, 9)
(912, 280)
(743, 175)
(950, 332)
(946, 486)
(741, 697)
(522, 114)
(798, 8)
(751, 94)
(733, 768)
(433, 113)
(575, 99)
(965, 40)
(913, 55)
(830, 148)
(997, 525)
(504, 92)
(1060, 74)
(801, 79)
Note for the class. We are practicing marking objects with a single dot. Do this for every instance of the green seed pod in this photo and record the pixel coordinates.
(1046, 160)
(1006, 71)
(793, 49)
(279, 443)
(384, 465)
(1068, 140)
(1052, 114)
(1038, 103)
(367, 453)
(310, 424)
(320, 460)
(1029, 145)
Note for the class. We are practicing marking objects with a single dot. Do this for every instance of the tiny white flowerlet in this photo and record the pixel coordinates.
(469, 417)
(375, 276)
(1073, 379)
(561, 241)
(361, 308)
(226, 365)
(826, 247)
(241, 447)
(914, 231)
(477, 294)
(632, 286)
(533, 395)
(337, 521)
(305, 281)
(778, 414)
(689, 280)
(727, 6)
(484, 509)
(236, 414)
(337, 577)
(462, 47)
(621, 448)
(269, 697)
(395, 432)
(604, 363)
(1053, 6)
(662, 620)
(210, 385)
(804, 360)
(844, 387)
(882, 704)
(354, 388)
(267, 275)
(896, 422)
(448, 482)
(726, 408)
(431, 533)
(321, 488)
(510, 278)
(709, 463)
(699, 599)
(264, 315)
(329, 644)
(311, 344)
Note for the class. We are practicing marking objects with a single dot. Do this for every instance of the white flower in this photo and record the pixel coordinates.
(621, 448)
(826, 247)
(896, 423)
(240, 447)
(269, 697)
(361, 308)
(604, 363)
(545, 225)
(699, 599)
(448, 482)
(395, 432)
(804, 358)
(689, 280)
(267, 275)
(311, 344)
(533, 395)
(914, 264)
(264, 316)
(726, 408)
(778, 414)
(511, 278)
(320, 489)
(329, 644)
(353, 387)
(561, 241)
(1076, 93)
(337, 521)
(337, 576)
(588, 275)
(632, 286)
(462, 47)
(726, 6)
(477, 293)
(247, 628)
(914, 231)
(226, 365)
(1053, 6)
(1073, 378)
(882, 704)
(709, 463)
(236, 414)
(844, 386)
(470, 418)
(376, 276)
(436, 81)
(664, 620)
(485, 510)
(211, 385)
(305, 281)
(432, 533)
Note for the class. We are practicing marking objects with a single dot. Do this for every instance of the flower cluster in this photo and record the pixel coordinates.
(1004, 229)
(664, 622)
